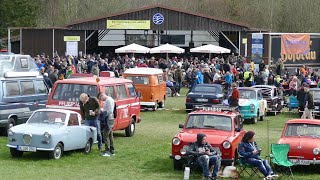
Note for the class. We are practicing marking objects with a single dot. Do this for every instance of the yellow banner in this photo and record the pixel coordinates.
(128, 24)
(71, 38)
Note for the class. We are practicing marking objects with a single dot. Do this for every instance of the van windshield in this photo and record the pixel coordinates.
(71, 92)
(139, 79)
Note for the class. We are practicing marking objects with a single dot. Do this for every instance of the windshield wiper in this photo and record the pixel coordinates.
(190, 127)
(208, 126)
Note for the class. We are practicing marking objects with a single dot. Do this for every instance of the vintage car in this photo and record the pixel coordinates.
(303, 136)
(51, 130)
(274, 101)
(224, 130)
(316, 100)
(251, 104)
(204, 94)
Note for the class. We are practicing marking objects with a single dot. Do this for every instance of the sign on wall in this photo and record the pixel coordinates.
(257, 47)
(157, 18)
(72, 48)
(71, 38)
(295, 43)
(128, 24)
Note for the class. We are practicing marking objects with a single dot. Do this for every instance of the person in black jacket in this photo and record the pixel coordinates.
(205, 155)
(89, 110)
(307, 103)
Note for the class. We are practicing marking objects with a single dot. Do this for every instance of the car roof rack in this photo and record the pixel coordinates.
(216, 108)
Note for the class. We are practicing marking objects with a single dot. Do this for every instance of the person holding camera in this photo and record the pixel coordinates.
(205, 156)
(250, 153)
(89, 110)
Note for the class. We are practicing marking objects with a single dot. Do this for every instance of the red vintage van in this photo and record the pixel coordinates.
(65, 94)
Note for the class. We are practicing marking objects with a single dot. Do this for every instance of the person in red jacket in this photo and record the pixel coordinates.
(235, 95)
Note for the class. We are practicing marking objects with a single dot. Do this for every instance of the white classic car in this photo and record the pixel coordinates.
(51, 130)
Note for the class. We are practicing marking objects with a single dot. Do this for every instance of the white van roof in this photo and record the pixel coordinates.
(143, 71)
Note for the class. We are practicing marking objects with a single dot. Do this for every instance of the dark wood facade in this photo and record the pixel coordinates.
(174, 19)
(37, 41)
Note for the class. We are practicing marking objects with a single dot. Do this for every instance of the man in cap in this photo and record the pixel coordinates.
(206, 156)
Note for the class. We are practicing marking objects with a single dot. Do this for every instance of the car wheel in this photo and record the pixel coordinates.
(57, 152)
(235, 158)
(131, 128)
(177, 165)
(11, 123)
(15, 153)
(161, 104)
(254, 120)
(155, 107)
(87, 147)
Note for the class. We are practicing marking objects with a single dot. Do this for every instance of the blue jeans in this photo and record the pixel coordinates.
(95, 123)
(206, 162)
(262, 164)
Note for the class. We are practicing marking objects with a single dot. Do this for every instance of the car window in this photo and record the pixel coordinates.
(160, 79)
(47, 117)
(73, 120)
(71, 92)
(302, 130)
(212, 89)
(203, 121)
(316, 94)
(109, 90)
(260, 95)
(132, 90)
(139, 79)
(11, 89)
(122, 93)
(40, 87)
(156, 80)
(247, 94)
(27, 88)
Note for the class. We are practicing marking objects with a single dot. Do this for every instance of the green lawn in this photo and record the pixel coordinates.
(143, 156)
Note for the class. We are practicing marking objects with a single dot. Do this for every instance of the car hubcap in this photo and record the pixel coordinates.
(88, 146)
(132, 127)
(57, 152)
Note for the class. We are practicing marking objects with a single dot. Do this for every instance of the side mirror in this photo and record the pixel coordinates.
(238, 129)
(181, 126)
(139, 94)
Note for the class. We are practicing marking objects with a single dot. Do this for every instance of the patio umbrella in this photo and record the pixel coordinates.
(210, 48)
(133, 48)
(167, 48)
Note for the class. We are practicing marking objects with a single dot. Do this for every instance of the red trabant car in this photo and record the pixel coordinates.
(65, 94)
(303, 136)
(223, 127)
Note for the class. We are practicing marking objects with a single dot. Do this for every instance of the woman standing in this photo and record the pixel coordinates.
(249, 152)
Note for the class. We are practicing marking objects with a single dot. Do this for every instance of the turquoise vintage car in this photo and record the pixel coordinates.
(252, 105)
(53, 131)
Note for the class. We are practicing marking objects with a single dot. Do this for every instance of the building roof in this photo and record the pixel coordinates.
(137, 16)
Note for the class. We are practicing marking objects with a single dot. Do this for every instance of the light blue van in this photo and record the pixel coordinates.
(22, 90)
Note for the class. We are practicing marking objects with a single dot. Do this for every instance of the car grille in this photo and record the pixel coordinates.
(27, 138)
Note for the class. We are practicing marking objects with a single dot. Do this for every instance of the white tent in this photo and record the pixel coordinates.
(167, 48)
(133, 48)
(210, 49)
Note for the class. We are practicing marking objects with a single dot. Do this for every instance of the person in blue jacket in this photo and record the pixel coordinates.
(250, 153)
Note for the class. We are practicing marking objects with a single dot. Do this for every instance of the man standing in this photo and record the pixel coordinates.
(308, 104)
(206, 156)
(107, 117)
(89, 109)
(178, 79)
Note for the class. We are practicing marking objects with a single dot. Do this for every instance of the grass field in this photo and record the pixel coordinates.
(143, 156)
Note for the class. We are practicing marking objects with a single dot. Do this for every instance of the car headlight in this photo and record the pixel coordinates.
(251, 106)
(46, 135)
(183, 151)
(316, 151)
(10, 132)
(226, 144)
(176, 141)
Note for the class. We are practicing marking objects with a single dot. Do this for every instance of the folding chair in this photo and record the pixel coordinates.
(246, 169)
(279, 158)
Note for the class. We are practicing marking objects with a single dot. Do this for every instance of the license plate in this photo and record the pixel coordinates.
(300, 162)
(27, 148)
(202, 100)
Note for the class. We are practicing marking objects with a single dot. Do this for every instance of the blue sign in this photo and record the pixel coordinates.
(158, 19)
